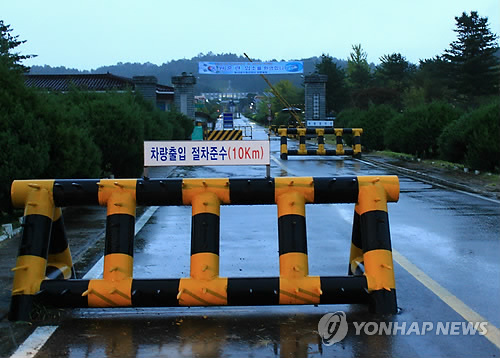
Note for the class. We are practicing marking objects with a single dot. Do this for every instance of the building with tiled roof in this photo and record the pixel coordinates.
(161, 95)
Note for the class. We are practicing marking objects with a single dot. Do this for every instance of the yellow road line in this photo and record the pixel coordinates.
(447, 297)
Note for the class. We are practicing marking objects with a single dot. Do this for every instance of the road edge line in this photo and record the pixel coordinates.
(493, 333)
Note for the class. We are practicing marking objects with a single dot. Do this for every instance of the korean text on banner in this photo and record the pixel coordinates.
(195, 153)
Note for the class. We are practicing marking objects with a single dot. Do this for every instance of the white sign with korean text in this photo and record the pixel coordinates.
(320, 123)
(196, 153)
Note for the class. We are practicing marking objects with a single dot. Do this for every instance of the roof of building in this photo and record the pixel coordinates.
(91, 82)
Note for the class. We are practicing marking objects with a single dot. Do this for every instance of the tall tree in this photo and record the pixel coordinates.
(336, 87)
(474, 66)
(11, 60)
(358, 70)
(394, 71)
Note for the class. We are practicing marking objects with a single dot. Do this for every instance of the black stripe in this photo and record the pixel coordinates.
(58, 238)
(348, 151)
(63, 293)
(253, 291)
(302, 140)
(159, 192)
(312, 151)
(347, 130)
(20, 308)
(36, 234)
(321, 139)
(155, 293)
(283, 140)
(383, 302)
(336, 190)
(283, 156)
(76, 192)
(331, 152)
(374, 226)
(251, 191)
(357, 139)
(292, 234)
(291, 131)
(352, 289)
(205, 228)
(356, 231)
(120, 234)
(339, 140)
(293, 152)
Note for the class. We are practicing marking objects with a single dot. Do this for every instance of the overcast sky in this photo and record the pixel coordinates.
(86, 34)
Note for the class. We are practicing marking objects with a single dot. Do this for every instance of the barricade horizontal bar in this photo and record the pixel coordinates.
(170, 191)
(325, 130)
(316, 152)
(240, 292)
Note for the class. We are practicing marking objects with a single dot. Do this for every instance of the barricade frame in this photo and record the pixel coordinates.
(370, 277)
(320, 132)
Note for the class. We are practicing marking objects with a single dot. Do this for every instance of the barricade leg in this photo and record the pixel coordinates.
(296, 287)
(283, 140)
(302, 141)
(356, 266)
(60, 264)
(114, 290)
(321, 141)
(31, 262)
(357, 142)
(340, 144)
(204, 286)
(376, 243)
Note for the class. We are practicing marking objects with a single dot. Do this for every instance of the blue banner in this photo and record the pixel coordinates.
(250, 68)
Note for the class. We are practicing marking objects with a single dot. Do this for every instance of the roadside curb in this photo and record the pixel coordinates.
(430, 179)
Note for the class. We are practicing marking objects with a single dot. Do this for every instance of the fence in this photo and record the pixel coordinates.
(320, 132)
(44, 262)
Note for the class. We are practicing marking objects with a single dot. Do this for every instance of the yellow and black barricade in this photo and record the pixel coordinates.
(355, 151)
(371, 274)
(227, 134)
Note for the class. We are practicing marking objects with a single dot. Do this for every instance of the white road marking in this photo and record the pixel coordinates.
(41, 335)
(34, 342)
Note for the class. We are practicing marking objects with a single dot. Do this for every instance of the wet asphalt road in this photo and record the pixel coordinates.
(445, 246)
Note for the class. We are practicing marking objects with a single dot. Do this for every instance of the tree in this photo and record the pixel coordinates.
(358, 70)
(336, 87)
(11, 60)
(474, 66)
(395, 72)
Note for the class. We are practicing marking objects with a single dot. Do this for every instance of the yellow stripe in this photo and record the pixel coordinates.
(375, 192)
(493, 334)
(194, 187)
(379, 270)
(110, 293)
(296, 291)
(294, 265)
(194, 292)
(302, 185)
(29, 273)
(118, 266)
(118, 195)
(204, 266)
